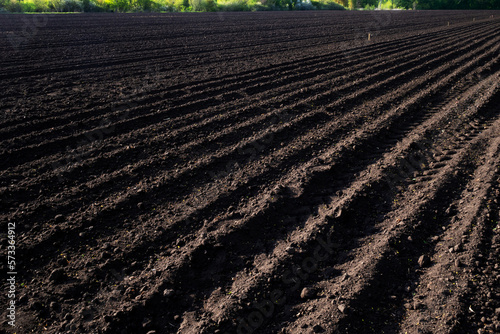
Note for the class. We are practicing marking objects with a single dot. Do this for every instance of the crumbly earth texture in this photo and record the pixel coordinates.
(266, 172)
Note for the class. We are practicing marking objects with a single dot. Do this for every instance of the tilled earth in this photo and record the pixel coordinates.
(273, 172)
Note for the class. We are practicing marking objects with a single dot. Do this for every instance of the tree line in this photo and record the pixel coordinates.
(233, 5)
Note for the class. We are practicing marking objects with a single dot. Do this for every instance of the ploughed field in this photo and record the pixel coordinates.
(270, 172)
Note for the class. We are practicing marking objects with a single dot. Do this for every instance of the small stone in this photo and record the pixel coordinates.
(151, 332)
(168, 293)
(424, 261)
(177, 317)
(342, 308)
(140, 206)
(307, 293)
(497, 311)
(54, 305)
(458, 263)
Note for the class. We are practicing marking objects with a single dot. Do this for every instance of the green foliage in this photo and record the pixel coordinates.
(458, 4)
(62, 6)
(181, 5)
(28, 7)
(233, 5)
(368, 4)
(141, 5)
(395, 4)
(13, 6)
(327, 4)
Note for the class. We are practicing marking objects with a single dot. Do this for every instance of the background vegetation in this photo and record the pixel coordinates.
(233, 5)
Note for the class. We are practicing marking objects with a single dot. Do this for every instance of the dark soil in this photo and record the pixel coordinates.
(271, 172)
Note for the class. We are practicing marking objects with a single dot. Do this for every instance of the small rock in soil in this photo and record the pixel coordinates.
(424, 261)
(59, 218)
(342, 308)
(168, 293)
(307, 293)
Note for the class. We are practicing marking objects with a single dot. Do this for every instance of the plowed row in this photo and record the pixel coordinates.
(252, 172)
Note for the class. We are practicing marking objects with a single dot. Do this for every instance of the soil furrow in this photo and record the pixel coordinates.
(235, 238)
(258, 172)
(136, 169)
(242, 79)
(104, 128)
(124, 204)
(347, 233)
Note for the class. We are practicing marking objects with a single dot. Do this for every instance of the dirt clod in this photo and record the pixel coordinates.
(307, 293)
(424, 261)
(168, 293)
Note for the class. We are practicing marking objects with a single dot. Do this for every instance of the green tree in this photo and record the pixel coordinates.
(143, 5)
